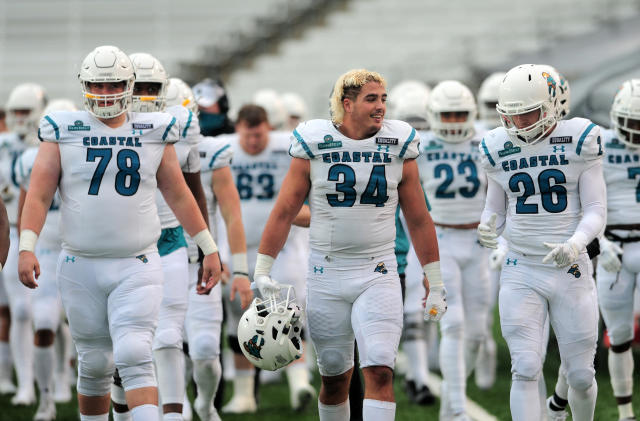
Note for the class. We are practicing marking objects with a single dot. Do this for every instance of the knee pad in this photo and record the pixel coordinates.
(580, 379)
(380, 353)
(620, 334)
(526, 366)
(168, 338)
(20, 311)
(95, 368)
(135, 363)
(206, 346)
(331, 362)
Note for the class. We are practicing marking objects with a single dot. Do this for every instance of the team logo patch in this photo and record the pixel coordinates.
(77, 126)
(143, 258)
(574, 270)
(381, 268)
(561, 139)
(329, 143)
(509, 149)
(433, 145)
(386, 140)
(614, 144)
(551, 83)
(252, 347)
(141, 126)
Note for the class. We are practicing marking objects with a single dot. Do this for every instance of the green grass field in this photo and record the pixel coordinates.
(274, 404)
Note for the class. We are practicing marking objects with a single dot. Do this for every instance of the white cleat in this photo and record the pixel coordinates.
(555, 415)
(240, 405)
(301, 397)
(61, 391)
(205, 410)
(46, 410)
(187, 413)
(24, 397)
(7, 387)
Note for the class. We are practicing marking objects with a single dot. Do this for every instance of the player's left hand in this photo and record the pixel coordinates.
(210, 274)
(609, 256)
(435, 304)
(27, 266)
(242, 286)
(563, 254)
(496, 258)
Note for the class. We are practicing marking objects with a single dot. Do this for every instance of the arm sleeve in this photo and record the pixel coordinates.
(593, 198)
(496, 202)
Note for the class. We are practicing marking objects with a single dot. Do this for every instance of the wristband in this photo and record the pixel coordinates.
(264, 263)
(204, 240)
(28, 240)
(239, 264)
(434, 276)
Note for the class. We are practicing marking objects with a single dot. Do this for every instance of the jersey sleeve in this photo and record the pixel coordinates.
(215, 153)
(488, 151)
(171, 132)
(22, 167)
(49, 129)
(299, 146)
(411, 146)
(590, 146)
(192, 165)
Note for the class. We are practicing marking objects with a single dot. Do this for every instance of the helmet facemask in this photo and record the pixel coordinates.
(452, 98)
(625, 113)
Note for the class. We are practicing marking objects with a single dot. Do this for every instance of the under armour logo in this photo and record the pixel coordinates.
(383, 146)
(318, 269)
(558, 148)
(71, 259)
(511, 262)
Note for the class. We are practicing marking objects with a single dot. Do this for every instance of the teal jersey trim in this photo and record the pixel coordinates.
(303, 143)
(402, 244)
(583, 136)
(215, 155)
(171, 239)
(487, 154)
(186, 127)
(166, 132)
(55, 126)
(407, 143)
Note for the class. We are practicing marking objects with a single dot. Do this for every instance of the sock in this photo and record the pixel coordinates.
(118, 396)
(170, 371)
(43, 368)
(562, 388)
(63, 344)
(583, 402)
(297, 375)
(471, 350)
(6, 363)
(146, 412)
(452, 365)
(338, 412)
(103, 417)
(416, 351)
(172, 416)
(243, 383)
(22, 350)
(374, 410)
(206, 374)
(621, 371)
(524, 400)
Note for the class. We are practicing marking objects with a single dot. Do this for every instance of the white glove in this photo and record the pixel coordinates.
(496, 258)
(608, 257)
(266, 285)
(487, 235)
(436, 304)
(563, 254)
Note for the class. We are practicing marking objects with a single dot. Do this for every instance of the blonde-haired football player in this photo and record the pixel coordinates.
(355, 169)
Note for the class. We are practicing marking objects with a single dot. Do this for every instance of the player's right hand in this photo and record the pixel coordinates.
(27, 266)
(242, 286)
(436, 304)
(608, 258)
(487, 235)
(266, 285)
(211, 272)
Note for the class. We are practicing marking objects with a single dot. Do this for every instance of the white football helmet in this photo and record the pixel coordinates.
(402, 89)
(452, 96)
(411, 107)
(179, 93)
(148, 69)
(24, 108)
(59, 104)
(107, 64)
(528, 88)
(488, 99)
(296, 109)
(269, 331)
(272, 104)
(564, 97)
(625, 113)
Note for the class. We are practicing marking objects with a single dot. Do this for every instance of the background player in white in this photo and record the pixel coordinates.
(546, 192)
(619, 265)
(46, 300)
(456, 188)
(296, 109)
(354, 186)
(103, 275)
(260, 162)
(24, 107)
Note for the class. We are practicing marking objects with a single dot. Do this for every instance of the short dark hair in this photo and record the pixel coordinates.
(252, 115)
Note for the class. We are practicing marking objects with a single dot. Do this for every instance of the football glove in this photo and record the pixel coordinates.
(563, 254)
(436, 304)
(487, 235)
(266, 285)
(496, 258)
(608, 258)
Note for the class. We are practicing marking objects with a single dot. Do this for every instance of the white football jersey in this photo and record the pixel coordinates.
(50, 233)
(258, 179)
(541, 181)
(108, 181)
(354, 185)
(10, 149)
(622, 174)
(215, 153)
(187, 152)
(452, 179)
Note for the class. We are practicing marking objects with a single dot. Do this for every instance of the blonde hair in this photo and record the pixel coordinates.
(348, 86)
